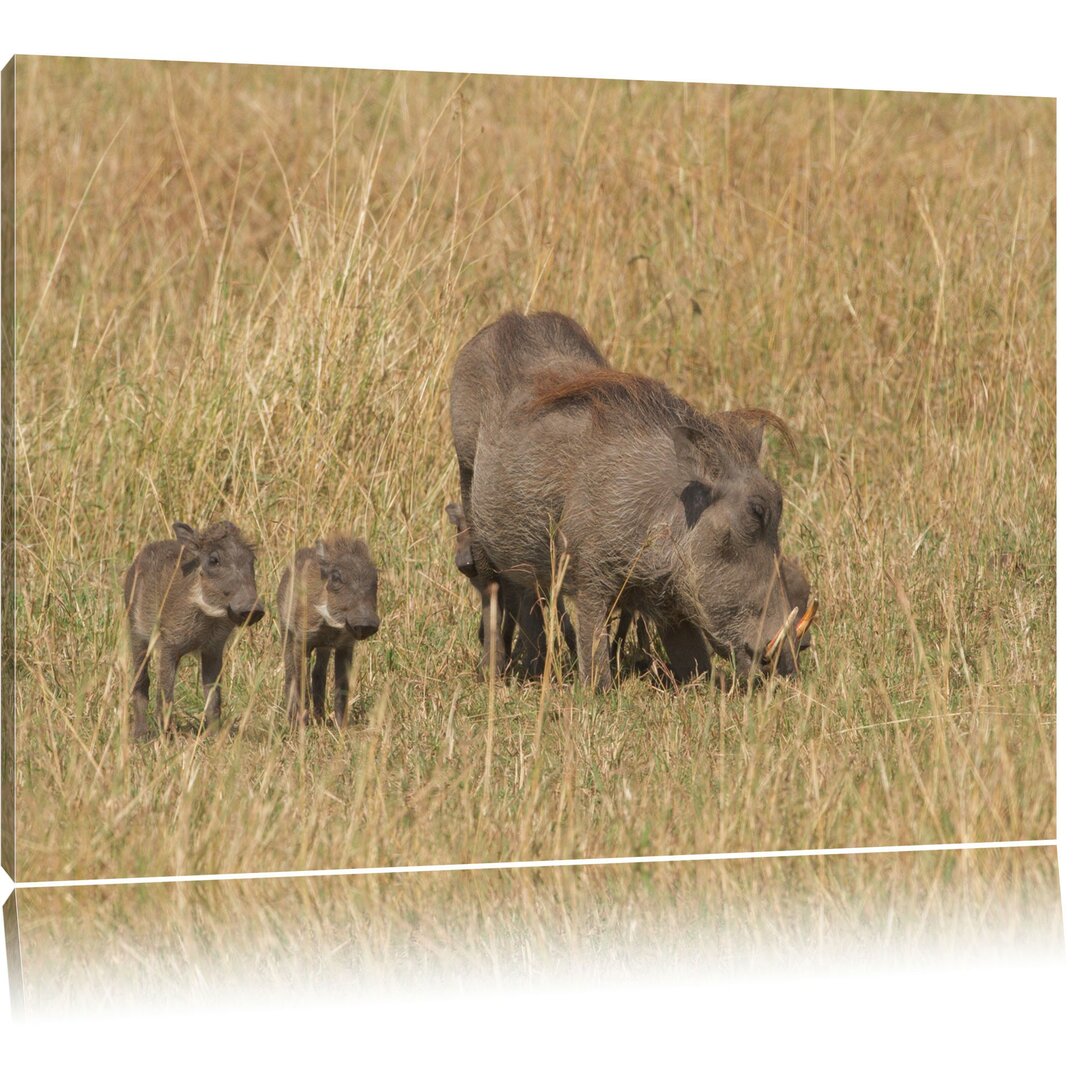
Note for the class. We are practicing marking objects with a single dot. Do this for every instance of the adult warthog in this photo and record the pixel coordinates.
(661, 510)
(491, 367)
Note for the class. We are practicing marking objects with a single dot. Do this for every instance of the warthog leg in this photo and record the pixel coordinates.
(140, 692)
(594, 659)
(343, 658)
(211, 687)
(167, 660)
(496, 630)
(530, 650)
(688, 655)
(295, 679)
(318, 684)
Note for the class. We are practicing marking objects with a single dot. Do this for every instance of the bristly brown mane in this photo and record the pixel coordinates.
(637, 397)
(220, 530)
(601, 389)
(342, 543)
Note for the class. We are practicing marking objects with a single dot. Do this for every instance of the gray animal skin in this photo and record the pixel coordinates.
(678, 667)
(489, 369)
(518, 611)
(182, 596)
(327, 601)
(660, 509)
(684, 660)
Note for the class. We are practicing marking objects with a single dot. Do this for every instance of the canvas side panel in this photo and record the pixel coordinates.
(7, 469)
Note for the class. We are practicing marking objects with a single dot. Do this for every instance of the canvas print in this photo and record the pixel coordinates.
(421, 469)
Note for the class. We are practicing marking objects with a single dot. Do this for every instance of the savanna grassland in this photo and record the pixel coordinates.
(240, 292)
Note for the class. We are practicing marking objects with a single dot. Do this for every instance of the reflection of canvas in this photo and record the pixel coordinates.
(209, 943)
(241, 294)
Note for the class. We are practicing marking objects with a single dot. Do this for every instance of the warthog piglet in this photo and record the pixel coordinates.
(182, 596)
(327, 601)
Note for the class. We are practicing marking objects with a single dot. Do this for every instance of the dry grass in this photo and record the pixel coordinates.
(240, 292)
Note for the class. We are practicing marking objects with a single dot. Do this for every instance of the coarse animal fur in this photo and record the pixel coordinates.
(490, 367)
(659, 508)
(327, 601)
(182, 596)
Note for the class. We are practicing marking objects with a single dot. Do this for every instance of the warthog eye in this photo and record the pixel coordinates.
(213, 559)
(335, 577)
(760, 512)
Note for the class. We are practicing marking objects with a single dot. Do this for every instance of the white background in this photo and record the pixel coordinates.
(996, 1021)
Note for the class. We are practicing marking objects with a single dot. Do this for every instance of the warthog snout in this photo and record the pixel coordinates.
(779, 654)
(364, 627)
(246, 614)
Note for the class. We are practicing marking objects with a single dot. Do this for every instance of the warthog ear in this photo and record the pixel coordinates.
(321, 557)
(687, 456)
(185, 534)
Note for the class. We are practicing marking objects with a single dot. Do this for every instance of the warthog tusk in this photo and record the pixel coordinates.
(807, 619)
(774, 645)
